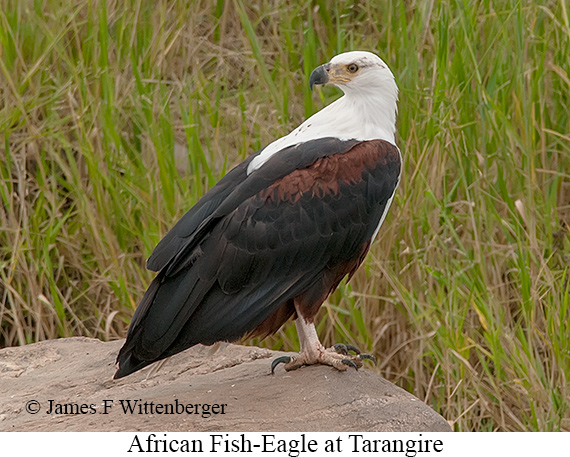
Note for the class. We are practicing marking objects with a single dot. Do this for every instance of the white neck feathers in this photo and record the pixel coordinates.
(363, 113)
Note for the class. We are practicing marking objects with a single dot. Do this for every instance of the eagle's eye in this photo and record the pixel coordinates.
(352, 68)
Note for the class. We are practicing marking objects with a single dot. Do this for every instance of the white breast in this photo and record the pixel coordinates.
(343, 119)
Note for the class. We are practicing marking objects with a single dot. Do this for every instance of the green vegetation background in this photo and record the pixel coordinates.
(116, 116)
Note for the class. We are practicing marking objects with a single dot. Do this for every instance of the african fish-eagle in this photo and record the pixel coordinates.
(274, 237)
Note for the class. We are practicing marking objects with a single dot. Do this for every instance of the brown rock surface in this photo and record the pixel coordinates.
(78, 371)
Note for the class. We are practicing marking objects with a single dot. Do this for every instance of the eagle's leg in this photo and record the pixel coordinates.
(313, 352)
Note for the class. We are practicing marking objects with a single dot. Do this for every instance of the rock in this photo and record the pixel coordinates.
(73, 375)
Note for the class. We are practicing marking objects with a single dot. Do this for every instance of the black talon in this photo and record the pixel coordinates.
(344, 348)
(352, 348)
(341, 348)
(278, 360)
(350, 363)
(368, 357)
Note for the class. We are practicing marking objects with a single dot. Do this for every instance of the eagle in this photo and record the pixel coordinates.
(276, 235)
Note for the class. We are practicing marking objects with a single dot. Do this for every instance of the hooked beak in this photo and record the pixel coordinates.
(320, 75)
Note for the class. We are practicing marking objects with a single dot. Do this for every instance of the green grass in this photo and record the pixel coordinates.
(464, 298)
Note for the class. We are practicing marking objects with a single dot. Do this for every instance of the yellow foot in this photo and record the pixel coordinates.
(337, 356)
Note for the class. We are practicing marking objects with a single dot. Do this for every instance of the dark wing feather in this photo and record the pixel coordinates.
(290, 231)
(173, 250)
(188, 225)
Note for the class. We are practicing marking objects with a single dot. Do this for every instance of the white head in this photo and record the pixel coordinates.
(357, 72)
(366, 112)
